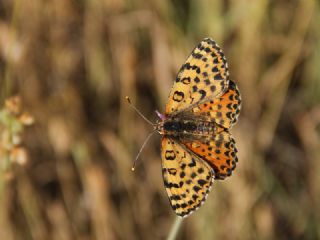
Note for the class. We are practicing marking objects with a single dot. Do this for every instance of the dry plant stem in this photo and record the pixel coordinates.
(8, 70)
(175, 228)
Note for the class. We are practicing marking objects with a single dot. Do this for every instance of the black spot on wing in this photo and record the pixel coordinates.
(170, 155)
(218, 77)
(186, 80)
(178, 96)
(203, 94)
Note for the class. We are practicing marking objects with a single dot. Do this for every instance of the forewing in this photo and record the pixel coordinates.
(203, 76)
(219, 151)
(186, 177)
(223, 110)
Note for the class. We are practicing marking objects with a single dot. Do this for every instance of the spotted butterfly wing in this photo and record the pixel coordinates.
(187, 178)
(203, 76)
(223, 110)
(219, 151)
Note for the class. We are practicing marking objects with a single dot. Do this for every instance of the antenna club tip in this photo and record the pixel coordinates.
(128, 99)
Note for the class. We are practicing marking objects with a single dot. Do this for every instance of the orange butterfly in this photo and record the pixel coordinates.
(197, 146)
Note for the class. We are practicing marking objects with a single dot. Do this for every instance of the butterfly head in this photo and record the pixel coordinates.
(160, 115)
(159, 123)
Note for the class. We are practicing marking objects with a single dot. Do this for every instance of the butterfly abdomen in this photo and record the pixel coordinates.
(181, 128)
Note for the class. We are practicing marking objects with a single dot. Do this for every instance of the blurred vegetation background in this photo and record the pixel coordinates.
(67, 145)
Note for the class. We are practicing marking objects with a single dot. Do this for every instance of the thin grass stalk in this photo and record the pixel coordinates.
(8, 69)
(175, 228)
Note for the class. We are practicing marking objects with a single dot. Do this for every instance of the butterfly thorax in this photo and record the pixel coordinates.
(179, 127)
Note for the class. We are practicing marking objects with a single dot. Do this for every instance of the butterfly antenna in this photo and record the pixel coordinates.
(142, 147)
(141, 115)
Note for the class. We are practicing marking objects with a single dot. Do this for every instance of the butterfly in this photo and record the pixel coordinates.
(197, 146)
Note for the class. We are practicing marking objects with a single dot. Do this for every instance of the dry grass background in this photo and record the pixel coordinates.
(72, 63)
